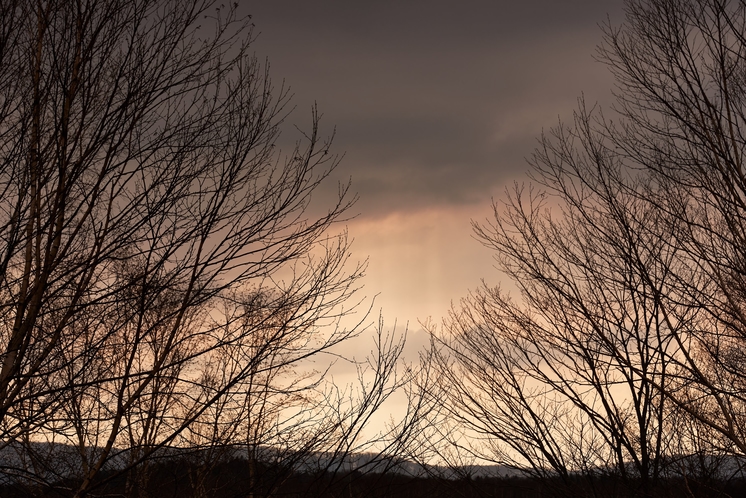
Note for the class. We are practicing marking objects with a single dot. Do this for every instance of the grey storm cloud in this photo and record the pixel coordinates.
(434, 102)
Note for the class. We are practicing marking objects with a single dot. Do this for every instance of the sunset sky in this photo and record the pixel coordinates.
(436, 106)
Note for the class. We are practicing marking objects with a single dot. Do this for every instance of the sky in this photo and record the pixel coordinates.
(436, 106)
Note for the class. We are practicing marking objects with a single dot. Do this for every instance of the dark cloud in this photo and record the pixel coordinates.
(426, 23)
(434, 102)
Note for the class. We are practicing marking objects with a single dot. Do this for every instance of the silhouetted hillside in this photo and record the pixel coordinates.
(183, 473)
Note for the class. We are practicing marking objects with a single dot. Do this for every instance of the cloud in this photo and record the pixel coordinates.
(434, 104)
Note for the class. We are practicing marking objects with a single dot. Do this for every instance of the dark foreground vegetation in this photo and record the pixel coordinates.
(183, 477)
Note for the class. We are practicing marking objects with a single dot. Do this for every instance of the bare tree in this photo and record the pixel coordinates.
(681, 100)
(558, 382)
(162, 270)
(627, 252)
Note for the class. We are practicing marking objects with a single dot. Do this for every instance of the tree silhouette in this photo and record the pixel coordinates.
(623, 352)
(162, 270)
